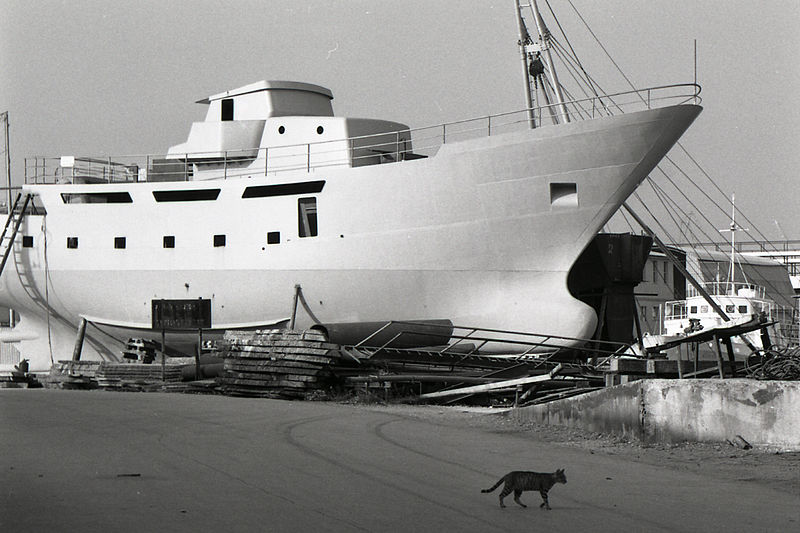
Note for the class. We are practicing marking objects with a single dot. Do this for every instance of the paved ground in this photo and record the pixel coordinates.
(107, 461)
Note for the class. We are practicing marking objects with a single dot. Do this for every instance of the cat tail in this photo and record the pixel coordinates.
(495, 485)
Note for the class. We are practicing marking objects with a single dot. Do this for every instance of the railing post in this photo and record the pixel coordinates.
(444, 134)
(266, 160)
(110, 173)
(308, 157)
(185, 167)
(397, 147)
(225, 164)
(489, 127)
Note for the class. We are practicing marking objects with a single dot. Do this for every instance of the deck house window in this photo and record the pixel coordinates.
(743, 309)
(219, 240)
(169, 241)
(119, 242)
(72, 242)
(27, 241)
(693, 309)
(227, 109)
(274, 237)
(307, 217)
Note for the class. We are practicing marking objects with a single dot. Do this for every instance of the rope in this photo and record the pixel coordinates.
(46, 289)
(775, 364)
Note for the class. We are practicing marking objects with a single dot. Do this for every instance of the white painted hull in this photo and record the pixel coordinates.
(469, 235)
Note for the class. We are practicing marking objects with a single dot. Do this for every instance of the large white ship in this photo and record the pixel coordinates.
(476, 222)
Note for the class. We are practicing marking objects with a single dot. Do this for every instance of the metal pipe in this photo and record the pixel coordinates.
(8, 163)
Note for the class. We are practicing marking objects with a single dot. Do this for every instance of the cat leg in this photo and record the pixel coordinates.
(506, 491)
(517, 494)
(545, 503)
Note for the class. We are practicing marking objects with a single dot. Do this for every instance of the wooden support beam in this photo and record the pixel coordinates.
(76, 352)
(719, 357)
(493, 386)
(731, 358)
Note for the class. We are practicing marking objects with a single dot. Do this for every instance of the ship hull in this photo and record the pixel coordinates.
(482, 234)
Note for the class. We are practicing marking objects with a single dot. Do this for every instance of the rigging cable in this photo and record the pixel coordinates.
(573, 55)
(46, 290)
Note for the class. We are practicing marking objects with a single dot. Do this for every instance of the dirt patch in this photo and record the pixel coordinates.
(778, 470)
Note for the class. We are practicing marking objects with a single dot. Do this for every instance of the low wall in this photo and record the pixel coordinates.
(764, 413)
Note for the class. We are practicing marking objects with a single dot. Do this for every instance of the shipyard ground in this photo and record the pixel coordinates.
(110, 461)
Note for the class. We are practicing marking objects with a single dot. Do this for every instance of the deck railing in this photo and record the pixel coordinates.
(386, 147)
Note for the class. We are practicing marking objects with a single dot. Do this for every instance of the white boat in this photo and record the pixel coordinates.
(742, 303)
(730, 303)
(273, 191)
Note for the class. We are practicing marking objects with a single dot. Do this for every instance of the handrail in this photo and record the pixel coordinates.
(385, 147)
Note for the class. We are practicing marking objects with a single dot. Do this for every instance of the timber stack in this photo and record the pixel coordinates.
(136, 377)
(276, 363)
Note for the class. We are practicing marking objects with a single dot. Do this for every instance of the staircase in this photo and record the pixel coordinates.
(14, 220)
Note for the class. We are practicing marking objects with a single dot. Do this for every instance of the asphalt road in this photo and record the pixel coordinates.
(107, 461)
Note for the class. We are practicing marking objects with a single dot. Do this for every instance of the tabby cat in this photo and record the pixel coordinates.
(518, 481)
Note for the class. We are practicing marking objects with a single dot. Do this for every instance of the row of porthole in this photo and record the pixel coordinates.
(282, 130)
(273, 237)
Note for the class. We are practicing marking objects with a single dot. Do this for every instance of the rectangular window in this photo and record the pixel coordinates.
(693, 309)
(119, 242)
(655, 272)
(219, 240)
(307, 217)
(274, 237)
(227, 109)
(72, 242)
(743, 309)
(188, 195)
(169, 241)
(96, 198)
(283, 189)
(666, 271)
(27, 241)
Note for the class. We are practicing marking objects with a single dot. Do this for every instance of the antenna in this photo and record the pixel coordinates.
(733, 228)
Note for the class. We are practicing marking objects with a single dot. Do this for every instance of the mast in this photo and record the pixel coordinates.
(524, 40)
(544, 39)
(733, 228)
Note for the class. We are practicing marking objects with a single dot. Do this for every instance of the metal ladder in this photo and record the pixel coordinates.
(15, 216)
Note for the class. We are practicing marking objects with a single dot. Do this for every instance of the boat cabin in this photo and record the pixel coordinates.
(273, 126)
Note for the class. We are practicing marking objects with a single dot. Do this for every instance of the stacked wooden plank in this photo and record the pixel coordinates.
(136, 377)
(276, 363)
(72, 375)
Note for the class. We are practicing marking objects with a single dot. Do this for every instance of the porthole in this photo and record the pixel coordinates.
(281, 130)
(320, 129)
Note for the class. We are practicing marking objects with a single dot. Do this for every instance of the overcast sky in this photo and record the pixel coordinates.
(118, 77)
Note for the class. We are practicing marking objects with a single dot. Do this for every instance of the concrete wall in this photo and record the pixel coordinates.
(764, 413)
